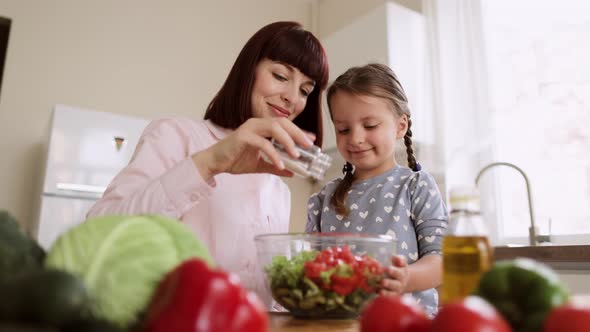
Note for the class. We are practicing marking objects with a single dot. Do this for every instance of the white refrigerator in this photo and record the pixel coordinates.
(86, 149)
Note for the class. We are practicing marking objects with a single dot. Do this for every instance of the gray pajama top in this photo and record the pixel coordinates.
(401, 203)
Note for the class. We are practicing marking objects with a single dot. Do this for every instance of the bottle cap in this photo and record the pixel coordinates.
(464, 198)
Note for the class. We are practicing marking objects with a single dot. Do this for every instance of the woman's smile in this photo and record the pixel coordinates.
(279, 111)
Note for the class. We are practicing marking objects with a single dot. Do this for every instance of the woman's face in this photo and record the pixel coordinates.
(280, 90)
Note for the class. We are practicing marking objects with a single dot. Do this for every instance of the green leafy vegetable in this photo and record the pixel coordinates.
(18, 252)
(283, 271)
(121, 259)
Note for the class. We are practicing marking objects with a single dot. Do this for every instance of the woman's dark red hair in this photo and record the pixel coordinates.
(285, 42)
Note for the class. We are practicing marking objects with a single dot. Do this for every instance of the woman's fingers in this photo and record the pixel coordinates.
(240, 152)
(300, 137)
(269, 150)
(310, 135)
(284, 132)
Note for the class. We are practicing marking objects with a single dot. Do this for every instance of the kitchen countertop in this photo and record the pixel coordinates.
(574, 257)
(283, 322)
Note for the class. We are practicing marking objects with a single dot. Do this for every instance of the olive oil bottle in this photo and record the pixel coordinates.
(467, 253)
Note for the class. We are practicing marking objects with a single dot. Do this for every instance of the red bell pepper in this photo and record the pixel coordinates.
(195, 298)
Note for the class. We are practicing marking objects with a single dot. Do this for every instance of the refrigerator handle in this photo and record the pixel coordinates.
(80, 188)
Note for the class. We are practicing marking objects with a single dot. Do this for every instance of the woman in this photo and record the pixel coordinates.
(210, 174)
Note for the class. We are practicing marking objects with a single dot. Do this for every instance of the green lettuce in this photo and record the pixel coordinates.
(121, 259)
(283, 271)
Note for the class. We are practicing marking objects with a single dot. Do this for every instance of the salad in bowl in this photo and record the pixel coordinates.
(324, 275)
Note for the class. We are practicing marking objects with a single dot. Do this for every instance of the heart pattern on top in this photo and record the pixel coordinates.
(398, 196)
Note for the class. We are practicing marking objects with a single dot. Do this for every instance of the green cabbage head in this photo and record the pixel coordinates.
(122, 258)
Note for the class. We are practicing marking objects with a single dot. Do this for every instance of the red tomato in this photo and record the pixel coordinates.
(394, 314)
(344, 285)
(569, 318)
(346, 271)
(473, 314)
(313, 269)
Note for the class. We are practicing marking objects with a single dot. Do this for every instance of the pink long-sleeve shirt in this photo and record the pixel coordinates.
(225, 213)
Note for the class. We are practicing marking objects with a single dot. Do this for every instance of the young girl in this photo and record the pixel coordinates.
(377, 195)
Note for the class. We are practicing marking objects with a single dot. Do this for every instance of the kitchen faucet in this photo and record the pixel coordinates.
(533, 230)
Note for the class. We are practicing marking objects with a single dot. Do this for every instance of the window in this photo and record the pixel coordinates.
(538, 59)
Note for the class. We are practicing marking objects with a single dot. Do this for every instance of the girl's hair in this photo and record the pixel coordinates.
(375, 80)
(285, 42)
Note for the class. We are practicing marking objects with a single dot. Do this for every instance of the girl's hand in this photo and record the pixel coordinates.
(241, 151)
(397, 278)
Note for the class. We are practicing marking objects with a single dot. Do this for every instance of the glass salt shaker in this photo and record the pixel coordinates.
(311, 162)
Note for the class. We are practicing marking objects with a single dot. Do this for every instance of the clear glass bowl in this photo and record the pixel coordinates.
(339, 292)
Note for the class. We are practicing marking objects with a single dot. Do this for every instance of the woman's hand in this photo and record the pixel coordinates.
(397, 278)
(241, 151)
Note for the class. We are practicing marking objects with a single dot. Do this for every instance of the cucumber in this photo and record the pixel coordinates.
(45, 296)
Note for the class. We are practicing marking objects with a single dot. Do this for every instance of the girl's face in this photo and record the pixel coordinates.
(366, 132)
(280, 90)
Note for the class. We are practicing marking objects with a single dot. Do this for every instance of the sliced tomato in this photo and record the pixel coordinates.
(394, 314)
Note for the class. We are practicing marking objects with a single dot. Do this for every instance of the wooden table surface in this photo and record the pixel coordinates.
(283, 322)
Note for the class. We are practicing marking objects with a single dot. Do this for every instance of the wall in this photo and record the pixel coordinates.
(575, 280)
(136, 57)
(336, 14)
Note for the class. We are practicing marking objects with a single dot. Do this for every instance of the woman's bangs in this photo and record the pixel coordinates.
(301, 50)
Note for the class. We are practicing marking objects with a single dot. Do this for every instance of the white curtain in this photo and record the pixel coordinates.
(456, 41)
